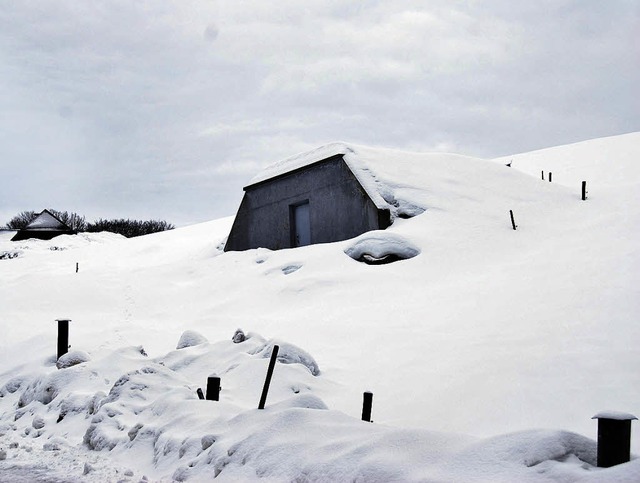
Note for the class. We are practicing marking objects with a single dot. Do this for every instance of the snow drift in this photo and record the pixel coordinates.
(485, 335)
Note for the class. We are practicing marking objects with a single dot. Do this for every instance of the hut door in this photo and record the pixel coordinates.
(301, 226)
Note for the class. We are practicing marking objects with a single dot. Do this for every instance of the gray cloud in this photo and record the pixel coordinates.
(165, 109)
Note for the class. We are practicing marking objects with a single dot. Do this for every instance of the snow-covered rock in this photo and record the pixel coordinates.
(380, 247)
(72, 358)
(189, 338)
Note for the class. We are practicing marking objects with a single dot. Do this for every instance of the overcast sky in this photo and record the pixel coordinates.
(161, 109)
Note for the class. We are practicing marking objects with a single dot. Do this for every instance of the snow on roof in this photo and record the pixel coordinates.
(300, 160)
(390, 177)
(46, 221)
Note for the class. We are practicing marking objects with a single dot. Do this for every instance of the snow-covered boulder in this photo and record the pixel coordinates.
(72, 358)
(12, 385)
(38, 422)
(380, 247)
(189, 338)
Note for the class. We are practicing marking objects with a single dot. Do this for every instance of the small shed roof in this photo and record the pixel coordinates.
(46, 221)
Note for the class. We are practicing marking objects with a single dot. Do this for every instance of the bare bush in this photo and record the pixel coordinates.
(73, 220)
(21, 220)
(130, 228)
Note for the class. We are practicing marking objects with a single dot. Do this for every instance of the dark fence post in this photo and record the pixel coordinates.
(200, 393)
(367, 402)
(584, 190)
(267, 381)
(63, 337)
(513, 222)
(77, 266)
(550, 174)
(614, 438)
(213, 389)
(542, 174)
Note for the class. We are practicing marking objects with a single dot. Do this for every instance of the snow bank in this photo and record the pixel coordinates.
(124, 403)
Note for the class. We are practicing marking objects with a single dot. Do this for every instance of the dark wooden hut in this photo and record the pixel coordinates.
(45, 226)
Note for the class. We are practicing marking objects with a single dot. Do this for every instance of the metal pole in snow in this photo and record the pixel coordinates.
(267, 381)
(584, 190)
(213, 389)
(550, 174)
(614, 438)
(63, 337)
(367, 403)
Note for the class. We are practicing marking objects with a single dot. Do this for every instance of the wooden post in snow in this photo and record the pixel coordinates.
(550, 174)
(213, 389)
(584, 190)
(63, 337)
(614, 438)
(367, 403)
(267, 381)
(513, 222)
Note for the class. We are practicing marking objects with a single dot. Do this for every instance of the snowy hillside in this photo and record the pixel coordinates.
(487, 353)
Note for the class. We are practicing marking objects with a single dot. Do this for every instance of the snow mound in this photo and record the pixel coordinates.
(189, 338)
(380, 247)
(152, 403)
(151, 410)
(531, 448)
(289, 354)
(72, 358)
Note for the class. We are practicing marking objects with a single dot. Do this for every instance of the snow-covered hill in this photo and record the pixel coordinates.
(487, 332)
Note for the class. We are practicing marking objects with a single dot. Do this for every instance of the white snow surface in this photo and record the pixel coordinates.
(471, 349)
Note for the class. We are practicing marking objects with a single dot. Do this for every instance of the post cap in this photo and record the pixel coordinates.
(616, 415)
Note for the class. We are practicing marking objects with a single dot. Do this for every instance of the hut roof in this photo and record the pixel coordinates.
(390, 177)
(46, 221)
